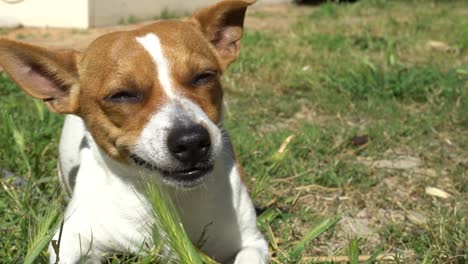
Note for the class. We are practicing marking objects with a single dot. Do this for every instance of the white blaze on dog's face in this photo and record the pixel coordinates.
(151, 96)
(180, 139)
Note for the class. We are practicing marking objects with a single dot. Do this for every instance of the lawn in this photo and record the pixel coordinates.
(369, 101)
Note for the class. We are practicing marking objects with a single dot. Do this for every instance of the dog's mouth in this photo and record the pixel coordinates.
(188, 177)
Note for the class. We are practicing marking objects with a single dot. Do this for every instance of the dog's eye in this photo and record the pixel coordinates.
(203, 78)
(125, 96)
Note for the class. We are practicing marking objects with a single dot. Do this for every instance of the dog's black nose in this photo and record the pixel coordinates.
(189, 144)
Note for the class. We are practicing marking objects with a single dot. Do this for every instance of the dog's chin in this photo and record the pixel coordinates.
(185, 178)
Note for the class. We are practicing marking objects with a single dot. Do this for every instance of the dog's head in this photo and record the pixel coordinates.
(150, 97)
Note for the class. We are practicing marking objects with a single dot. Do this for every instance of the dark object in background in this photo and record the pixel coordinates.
(359, 140)
(15, 180)
(259, 210)
(318, 2)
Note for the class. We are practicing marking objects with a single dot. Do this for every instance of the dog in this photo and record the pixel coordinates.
(145, 102)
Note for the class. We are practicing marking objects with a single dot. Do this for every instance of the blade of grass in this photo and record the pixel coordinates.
(205, 258)
(42, 232)
(321, 226)
(275, 162)
(18, 136)
(374, 256)
(353, 251)
(427, 258)
(170, 228)
(267, 216)
(40, 109)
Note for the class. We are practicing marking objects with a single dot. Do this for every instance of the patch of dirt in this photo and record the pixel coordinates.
(63, 38)
(306, 114)
(269, 18)
(401, 162)
(275, 18)
(358, 227)
(398, 199)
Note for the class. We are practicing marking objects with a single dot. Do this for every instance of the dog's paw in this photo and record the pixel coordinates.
(250, 256)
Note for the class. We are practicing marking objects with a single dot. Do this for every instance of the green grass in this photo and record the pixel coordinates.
(129, 20)
(349, 70)
(338, 71)
(164, 15)
(169, 14)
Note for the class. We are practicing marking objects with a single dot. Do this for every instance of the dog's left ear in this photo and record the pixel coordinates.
(43, 73)
(223, 24)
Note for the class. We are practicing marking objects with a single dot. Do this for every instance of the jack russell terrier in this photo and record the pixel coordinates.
(145, 102)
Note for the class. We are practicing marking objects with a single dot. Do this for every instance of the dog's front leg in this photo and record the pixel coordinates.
(253, 254)
(75, 241)
(73, 249)
(254, 247)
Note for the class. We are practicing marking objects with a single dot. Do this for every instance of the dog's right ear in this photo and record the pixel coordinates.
(223, 23)
(44, 74)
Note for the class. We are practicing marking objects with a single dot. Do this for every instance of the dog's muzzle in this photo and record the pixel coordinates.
(190, 146)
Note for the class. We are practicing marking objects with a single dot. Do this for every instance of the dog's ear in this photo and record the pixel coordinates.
(42, 73)
(223, 24)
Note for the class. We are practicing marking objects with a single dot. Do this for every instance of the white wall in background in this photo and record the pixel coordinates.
(92, 13)
(52, 13)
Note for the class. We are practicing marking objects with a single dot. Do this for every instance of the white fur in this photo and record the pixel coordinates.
(108, 211)
(152, 44)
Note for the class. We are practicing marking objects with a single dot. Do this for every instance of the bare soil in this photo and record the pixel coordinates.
(267, 18)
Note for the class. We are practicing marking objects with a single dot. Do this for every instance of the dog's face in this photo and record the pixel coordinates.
(150, 97)
(160, 99)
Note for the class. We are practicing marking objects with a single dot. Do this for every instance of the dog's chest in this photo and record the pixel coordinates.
(116, 215)
(120, 215)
